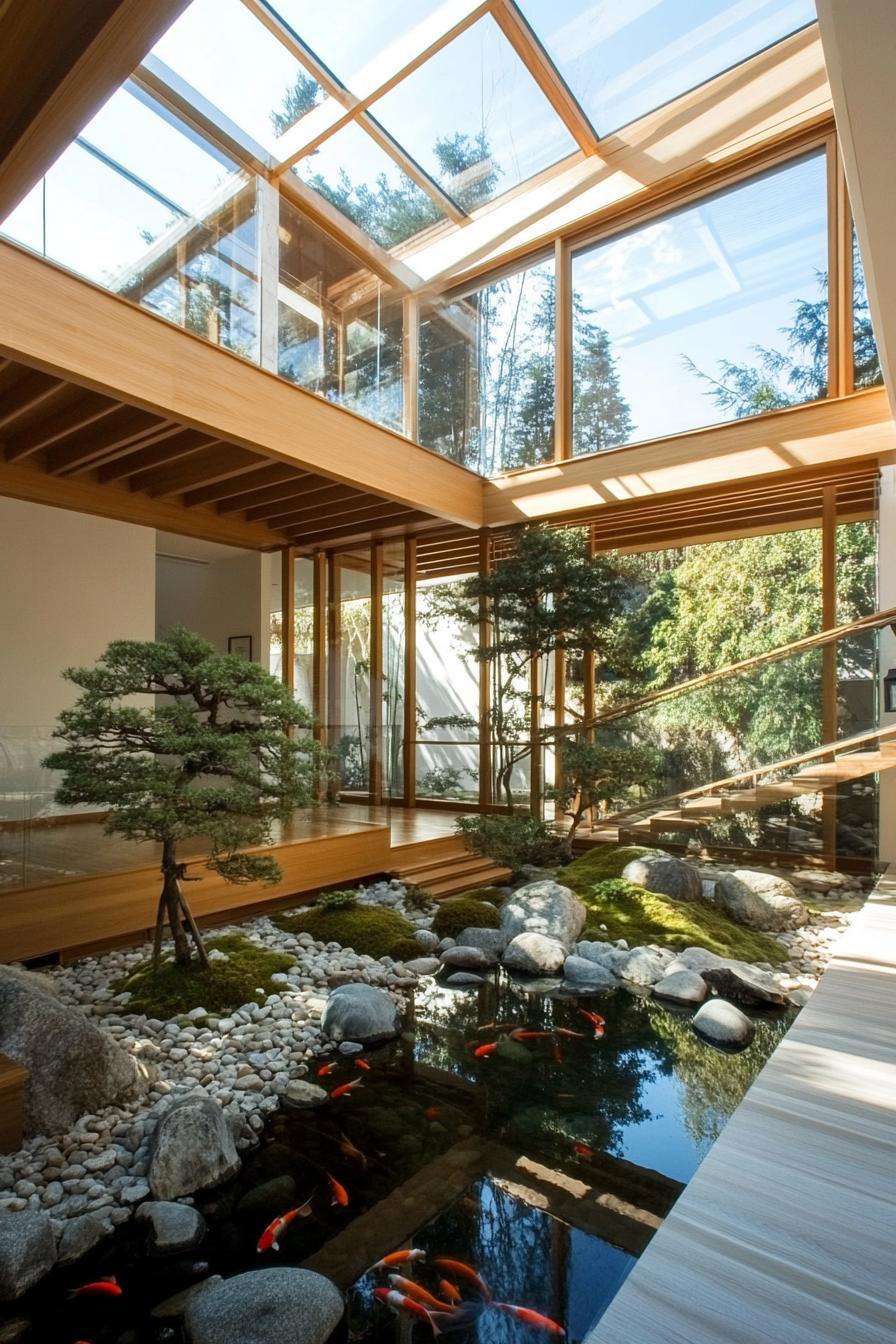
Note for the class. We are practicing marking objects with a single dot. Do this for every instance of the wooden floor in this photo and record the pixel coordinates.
(43, 854)
(786, 1233)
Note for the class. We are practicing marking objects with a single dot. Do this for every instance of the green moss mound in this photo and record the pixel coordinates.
(168, 990)
(494, 895)
(641, 916)
(464, 912)
(600, 862)
(368, 929)
(407, 949)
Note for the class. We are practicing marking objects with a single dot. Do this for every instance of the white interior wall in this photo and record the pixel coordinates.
(216, 591)
(71, 583)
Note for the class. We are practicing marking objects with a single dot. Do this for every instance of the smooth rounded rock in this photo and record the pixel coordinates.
(723, 1024)
(266, 1306)
(192, 1149)
(464, 979)
(666, 875)
(81, 1235)
(303, 1096)
(428, 940)
(172, 1227)
(642, 966)
(360, 1012)
(760, 900)
(588, 975)
(467, 958)
(27, 1252)
(682, 987)
(490, 941)
(535, 954)
(423, 965)
(546, 908)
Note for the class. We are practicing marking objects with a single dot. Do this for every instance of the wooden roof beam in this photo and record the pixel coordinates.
(299, 486)
(89, 445)
(249, 487)
(205, 468)
(29, 391)
(85, 411)
(141, 457)
(371, 520)
(318, 501)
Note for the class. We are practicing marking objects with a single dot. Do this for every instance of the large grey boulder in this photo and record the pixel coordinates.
(360, 1013)
(544, 907)
(733, 979)
(27, 1252)
(192, 1149)
(428, 940)
(490, 941)
(466, 958)
(423, 965)
(643, 966)
(172, 1227)
(684, 986)
(666, 875)
(81, 1235)
(760, 900)
(535, 954)
(266, 1306)
(723, 1024)
(74, 1068)
(608, 955)
(588, 976)
(303, 1096)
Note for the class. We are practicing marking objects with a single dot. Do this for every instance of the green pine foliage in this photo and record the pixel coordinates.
(208, 759)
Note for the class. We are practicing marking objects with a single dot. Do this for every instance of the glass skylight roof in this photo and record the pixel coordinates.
(349, 35)
(623, 60)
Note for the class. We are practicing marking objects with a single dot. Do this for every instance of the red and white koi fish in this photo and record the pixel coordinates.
(400, 1258)
(594, 1018)
(346, 1089)
(482, 1051)
(449, 1290)
(339, 1192)
(532, 1318)
(417, 1292)
(565, 1031)
(521, 1034)
(101, 1288)
(396, 1301)
(270, 1237)
(462, 1271)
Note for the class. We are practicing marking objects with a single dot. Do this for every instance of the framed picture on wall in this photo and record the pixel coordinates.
(241, 645)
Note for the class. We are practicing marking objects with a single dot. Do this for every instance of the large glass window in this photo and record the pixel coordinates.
(340, 327)
(712, 313)
(474, 118)
(486, 392)
(866, 362)
(624, 60)
(350, 37)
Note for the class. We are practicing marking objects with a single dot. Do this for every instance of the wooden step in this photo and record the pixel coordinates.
(706, 807)
(492, 876)
(852, 766)
(745, 800)
(442, 868)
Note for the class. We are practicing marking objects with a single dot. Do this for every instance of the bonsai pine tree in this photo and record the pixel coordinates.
(210, 758)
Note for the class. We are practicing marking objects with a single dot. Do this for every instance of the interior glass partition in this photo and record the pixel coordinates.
(447, 701)
(349, 679)
(394, 688)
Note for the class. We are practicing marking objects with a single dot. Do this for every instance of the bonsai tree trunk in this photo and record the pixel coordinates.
(173, 908)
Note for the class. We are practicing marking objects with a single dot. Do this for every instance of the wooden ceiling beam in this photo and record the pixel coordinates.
(143, 457)
(367, 522)
(82, 449)
(85, 411)
(320, 502)
(298, 486)
(91, 461)
(30, 390)
(346, 511)
(251, 486)
(205, 468)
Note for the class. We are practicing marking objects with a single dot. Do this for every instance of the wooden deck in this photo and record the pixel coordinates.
(786, 1231)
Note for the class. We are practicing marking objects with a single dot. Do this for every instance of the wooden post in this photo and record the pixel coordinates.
(375, 709)
(409, 728)
(287, 618)
(319, 651)
(840, 338)
(485, 723)
(536, 772)
(559, 718)
(563, 318)
(829, 659)
(13, 1078)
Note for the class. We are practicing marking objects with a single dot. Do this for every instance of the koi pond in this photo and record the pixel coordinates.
(531, 1175)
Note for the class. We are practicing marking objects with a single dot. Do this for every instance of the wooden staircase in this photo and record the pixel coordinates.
(824, 768)
(449, 874)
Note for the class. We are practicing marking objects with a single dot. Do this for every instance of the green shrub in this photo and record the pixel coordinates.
(600, 862)
(368, 929)
(642, 916)
(462, 912)
(417, 898)
(512, 841)
(336, 900)
(494, 895)
(169, 989)
(406, 949)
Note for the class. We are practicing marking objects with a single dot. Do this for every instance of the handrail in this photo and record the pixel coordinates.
(843, 745)
(873, 622)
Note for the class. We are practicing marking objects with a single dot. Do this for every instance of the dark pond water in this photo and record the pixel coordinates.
(545, 1164)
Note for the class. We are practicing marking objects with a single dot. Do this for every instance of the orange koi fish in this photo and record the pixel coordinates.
(598, 1033)
(400, 1258)
(270, 1237)
(520, 1034)
(362, 1064)
(339, 1192)
(532, 1318)
(565, 1031)
(345, 1089)
(594, 1018)
(399, 1302)
(462, 1271)
(348, 1149)
(417, 1292)
(482, 1050)
(433, 1112)
(101, 1288)
(449, 1290)
(582, 1150)
(326, 1069)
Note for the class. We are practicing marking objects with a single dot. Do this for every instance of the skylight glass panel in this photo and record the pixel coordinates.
(232, 60)
(350, 35)
(623, 60)
(473, 117)
(360, 179)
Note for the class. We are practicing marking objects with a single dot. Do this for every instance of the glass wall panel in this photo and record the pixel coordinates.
(866, 363)
(447, 709)
(349, 652)
(623, 60)
(349, 37)
(486, 391)
(230, 58)
(473, 117)
(393, 669)
(340, 326)
(711, 313)
(362, 181)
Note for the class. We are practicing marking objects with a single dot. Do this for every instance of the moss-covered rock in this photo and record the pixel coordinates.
(464, 912)
(600, 862)
(406, 949)
(168, 990)
(494, 895)
(641, 916)
(370, 930)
